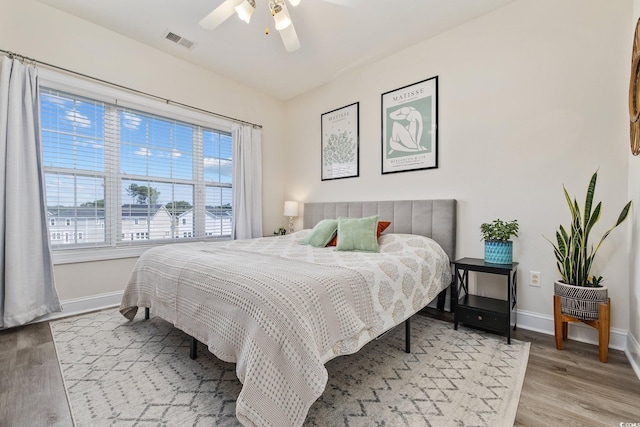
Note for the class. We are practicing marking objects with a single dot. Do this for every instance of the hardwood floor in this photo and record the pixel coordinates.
(572, 387)
(31, 388)
(561, 388)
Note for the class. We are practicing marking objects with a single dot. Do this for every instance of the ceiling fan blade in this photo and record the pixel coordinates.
(219, 14)
(290, 38)
(346, 3)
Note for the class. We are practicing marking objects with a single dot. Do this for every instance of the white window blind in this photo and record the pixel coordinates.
(119, 176)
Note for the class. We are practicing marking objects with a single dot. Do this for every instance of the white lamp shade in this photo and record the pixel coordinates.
(290, 208)
(282, 20)
(245, 10)
(294, 3)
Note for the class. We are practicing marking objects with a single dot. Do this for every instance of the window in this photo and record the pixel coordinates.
(110, 168)
(217, 178)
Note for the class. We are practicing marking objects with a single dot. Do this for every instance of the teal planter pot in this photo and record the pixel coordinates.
(496, 252)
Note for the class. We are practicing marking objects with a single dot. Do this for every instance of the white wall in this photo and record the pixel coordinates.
(49, 35)
(532, 96)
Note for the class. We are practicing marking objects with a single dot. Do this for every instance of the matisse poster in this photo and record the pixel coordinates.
(410, 127)
(340, 144)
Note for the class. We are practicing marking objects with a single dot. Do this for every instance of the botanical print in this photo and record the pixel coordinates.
(339, 155)
(409, 124)
(340, 143)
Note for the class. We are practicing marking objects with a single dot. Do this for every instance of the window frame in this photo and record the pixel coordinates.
(136, 101)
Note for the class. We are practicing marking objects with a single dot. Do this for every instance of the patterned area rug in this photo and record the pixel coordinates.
(139, 374)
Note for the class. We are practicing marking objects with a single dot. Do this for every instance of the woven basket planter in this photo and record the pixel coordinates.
(579, 301)
(496, 252)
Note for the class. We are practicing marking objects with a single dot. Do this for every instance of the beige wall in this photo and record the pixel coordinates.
(47, 34)
(92, 278)
(634, 257)
(532, 96)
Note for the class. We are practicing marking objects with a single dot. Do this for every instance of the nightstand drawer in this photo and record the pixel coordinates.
(482, 319)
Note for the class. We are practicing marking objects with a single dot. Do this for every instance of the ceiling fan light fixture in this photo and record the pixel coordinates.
(282, 22)
(245, 10)
(280, 16)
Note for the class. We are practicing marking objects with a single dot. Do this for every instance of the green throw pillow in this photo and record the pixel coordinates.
(358, 234)
(322, 233)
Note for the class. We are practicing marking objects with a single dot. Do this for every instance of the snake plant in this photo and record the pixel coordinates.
(574, 256)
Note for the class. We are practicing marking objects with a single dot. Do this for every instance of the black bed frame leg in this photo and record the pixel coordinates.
(442, 298)
(193, 348)
(407, 333)
(146, 313)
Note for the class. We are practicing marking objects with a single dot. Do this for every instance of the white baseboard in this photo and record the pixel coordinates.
(577, 331)
(633, 353)
(73, 307)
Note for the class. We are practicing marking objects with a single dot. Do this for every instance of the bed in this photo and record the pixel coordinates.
(280, 309)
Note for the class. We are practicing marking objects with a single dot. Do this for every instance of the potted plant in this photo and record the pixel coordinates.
(498, 249)
(581, 292)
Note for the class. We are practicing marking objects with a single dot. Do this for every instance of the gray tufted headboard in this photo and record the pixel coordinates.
(432, 218)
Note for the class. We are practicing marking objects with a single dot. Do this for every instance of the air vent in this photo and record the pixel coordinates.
(178, 40)
(186, 43)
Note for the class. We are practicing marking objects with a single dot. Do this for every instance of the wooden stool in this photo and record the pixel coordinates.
(561, 323)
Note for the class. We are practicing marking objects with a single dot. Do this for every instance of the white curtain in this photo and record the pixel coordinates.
(247, 181)
(27, 287)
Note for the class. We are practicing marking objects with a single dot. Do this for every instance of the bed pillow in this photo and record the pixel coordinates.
(322, 233)
(358, 234)
(382, 225)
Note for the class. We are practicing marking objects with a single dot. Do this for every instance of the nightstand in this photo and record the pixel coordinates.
(483, 312)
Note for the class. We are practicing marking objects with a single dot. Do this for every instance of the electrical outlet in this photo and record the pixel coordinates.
(534, 279)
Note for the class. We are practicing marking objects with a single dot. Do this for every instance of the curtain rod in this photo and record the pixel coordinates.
(168, 101)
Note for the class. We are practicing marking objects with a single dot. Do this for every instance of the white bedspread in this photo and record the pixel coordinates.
(280, 310)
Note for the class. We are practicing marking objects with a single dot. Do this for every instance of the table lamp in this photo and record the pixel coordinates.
(290, 210)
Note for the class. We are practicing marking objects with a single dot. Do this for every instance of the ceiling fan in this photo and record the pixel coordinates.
(278, 9)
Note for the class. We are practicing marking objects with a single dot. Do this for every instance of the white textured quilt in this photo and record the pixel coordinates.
(280, 310)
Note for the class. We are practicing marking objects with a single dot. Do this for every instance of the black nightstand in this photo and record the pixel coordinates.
(483, 312)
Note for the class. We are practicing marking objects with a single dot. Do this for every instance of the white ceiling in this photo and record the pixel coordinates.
(334, 39)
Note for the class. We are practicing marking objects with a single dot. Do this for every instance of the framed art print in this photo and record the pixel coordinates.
(340, 142)
(410, 127)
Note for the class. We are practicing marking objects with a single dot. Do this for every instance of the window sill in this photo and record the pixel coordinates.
(98, 254)
(74, 256)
